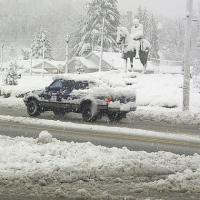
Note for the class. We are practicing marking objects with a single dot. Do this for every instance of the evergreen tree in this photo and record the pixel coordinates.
(153, 38)
(143, 18)
(145, 22)
(37, 45)
(172, 40)
(126, 22)
(150, 31)
(90, 31)
(139, 14)
(26, 54)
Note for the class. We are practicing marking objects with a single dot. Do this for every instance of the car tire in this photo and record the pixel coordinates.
(59, 112)
(87, 113)
(33, 108)
(115, 117)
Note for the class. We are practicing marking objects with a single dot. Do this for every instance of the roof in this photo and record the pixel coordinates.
(97, 53)
(54, 64)
(26, 64)
(88, 63)
(34, 70)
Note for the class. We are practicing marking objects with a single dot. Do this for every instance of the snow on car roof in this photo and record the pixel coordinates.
(113, 76)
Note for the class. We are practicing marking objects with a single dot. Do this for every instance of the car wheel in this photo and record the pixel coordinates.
(87, 113)
(59, 112)
(33, 108)
(113, 117)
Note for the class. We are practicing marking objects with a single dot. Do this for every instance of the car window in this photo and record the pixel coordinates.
(67, 84)
(80, 85)
(56, 85)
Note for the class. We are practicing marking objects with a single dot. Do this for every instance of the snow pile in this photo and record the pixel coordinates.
(157, 114)
(25, 158)
(45, 137)
(25, 83)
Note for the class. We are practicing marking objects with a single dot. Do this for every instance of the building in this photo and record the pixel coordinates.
(89, 63)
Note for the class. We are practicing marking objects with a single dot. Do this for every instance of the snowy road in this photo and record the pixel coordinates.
(104, 138)
(128, 122)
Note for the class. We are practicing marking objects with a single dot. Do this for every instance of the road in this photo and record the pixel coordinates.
(134, 143)
(18, 190)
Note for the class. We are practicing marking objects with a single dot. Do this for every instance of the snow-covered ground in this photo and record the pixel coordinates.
(67, 169)
(159, 96)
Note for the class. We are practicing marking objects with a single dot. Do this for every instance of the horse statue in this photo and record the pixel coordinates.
(128, 48)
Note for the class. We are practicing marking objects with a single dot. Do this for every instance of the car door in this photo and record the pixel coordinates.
(52, 92)
(68, 86)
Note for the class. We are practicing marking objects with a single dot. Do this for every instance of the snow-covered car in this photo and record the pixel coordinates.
(90, 98)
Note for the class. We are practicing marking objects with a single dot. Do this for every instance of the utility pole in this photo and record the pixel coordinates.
(101, 50)
(2, 45)
(104, 11)
(186, 58)
(67, 53)
(31, 61)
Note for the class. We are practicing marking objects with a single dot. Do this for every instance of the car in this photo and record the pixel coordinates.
(81, 96)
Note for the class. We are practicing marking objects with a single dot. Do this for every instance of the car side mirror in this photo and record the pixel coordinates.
(47, 88)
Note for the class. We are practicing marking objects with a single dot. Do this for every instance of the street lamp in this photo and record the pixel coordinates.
(67, 52)
(31, 61)
(2, 45)
(102, 38)
(43, 44)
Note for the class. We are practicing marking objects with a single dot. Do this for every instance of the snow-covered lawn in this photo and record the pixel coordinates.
(53, 166)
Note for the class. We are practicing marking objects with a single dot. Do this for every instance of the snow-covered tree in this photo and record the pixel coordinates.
(150, 30)
(25, 53)
(153, 37)
(90, 32)
(126, 20)
(79, 66)
(196, 75)
(37, 45)
(139, 14)
(143, 17)
(172, 39)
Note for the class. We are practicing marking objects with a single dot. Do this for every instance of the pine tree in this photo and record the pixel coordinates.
(37, 45)
(139, 14)
(143, 18)
(150, 31)
(91, 29)
(145, 22)
(153, 38)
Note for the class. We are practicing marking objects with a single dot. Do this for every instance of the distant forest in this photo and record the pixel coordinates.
(20, 20)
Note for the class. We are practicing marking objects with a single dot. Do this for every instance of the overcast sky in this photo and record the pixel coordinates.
(170, 8)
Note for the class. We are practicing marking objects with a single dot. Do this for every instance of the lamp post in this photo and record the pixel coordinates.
(102, 38)
(2, 45)
(43, 45)
(67, 52)
(31, 61)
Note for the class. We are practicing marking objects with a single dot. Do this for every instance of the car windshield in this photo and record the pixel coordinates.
(56, 85)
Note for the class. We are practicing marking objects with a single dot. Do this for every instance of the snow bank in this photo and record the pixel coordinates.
(25, 158)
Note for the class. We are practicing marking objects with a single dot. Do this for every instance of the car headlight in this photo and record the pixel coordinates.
(25, 97)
